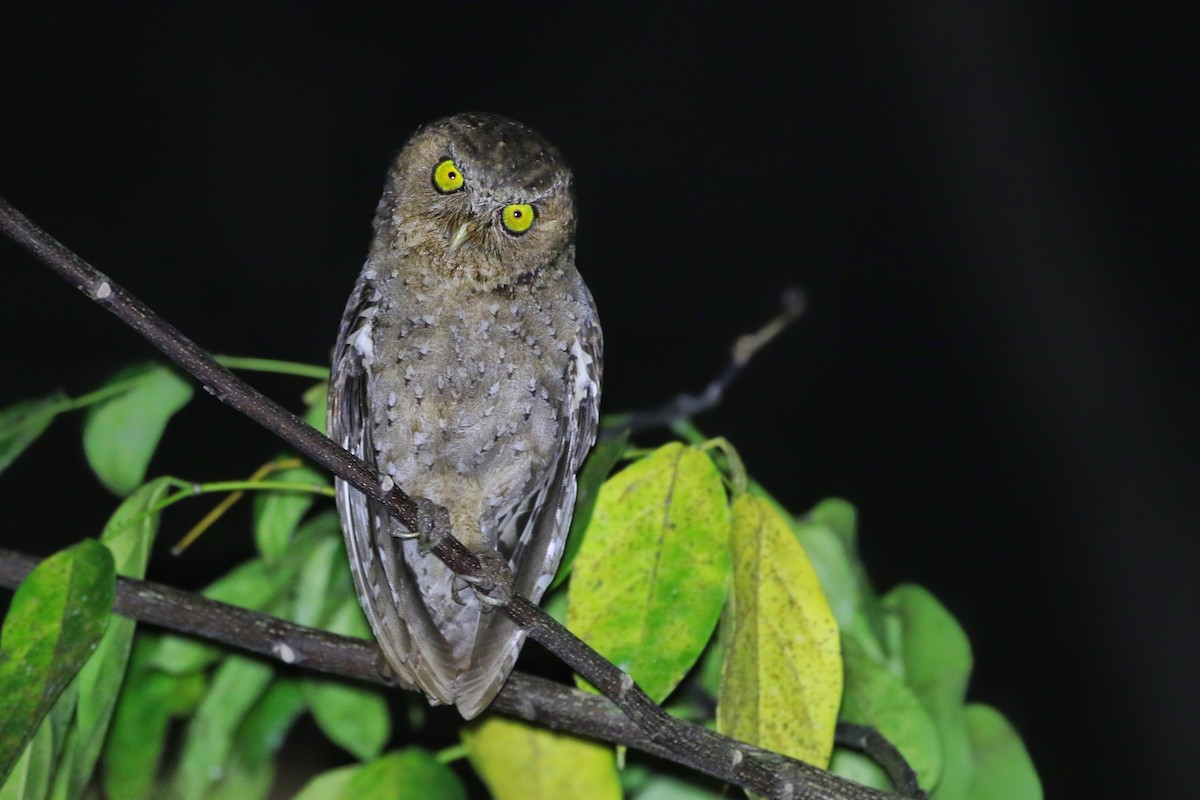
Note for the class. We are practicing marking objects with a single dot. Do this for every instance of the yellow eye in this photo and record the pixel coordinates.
(447, 177)
(518, 217)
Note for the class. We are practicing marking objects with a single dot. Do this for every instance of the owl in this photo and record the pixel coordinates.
(466, 371)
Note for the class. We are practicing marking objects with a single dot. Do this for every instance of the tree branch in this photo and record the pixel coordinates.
(765, 773)
(524, 696)
(686, 406)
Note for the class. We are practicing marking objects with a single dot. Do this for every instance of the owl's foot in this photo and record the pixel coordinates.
(433, 524)
(494, 583)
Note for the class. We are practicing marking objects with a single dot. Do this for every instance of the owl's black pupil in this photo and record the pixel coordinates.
(516, 214)
(451, 175)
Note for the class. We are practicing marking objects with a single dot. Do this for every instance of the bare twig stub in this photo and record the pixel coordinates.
(767, 774)
(686, 406)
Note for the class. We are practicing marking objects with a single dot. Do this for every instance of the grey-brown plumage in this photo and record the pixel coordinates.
(467, 370)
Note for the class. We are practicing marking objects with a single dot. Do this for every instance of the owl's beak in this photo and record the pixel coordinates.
(459, 237)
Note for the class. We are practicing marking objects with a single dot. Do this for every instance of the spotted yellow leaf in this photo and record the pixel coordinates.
(781, 681)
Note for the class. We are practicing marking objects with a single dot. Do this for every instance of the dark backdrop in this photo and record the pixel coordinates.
(986, 206)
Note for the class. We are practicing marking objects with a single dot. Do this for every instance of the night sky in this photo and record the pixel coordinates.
(992, 212)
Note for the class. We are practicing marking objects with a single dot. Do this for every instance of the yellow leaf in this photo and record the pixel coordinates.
(518, 761)
(781, 682)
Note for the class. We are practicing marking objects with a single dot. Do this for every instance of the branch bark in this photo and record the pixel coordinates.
(767, 774)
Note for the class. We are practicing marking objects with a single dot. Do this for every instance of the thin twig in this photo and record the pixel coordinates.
(771, 775)
(686, 406)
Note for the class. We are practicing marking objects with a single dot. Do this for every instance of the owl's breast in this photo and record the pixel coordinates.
(466, 398)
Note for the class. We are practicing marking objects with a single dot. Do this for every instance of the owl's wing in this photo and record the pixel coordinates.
(387, 591)
(533, 535)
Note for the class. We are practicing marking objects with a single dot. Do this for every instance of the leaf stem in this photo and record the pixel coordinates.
(686, 430)
(735, 470)
(197, 489)
(102, 394)
(451, 754)
(251, 364)
(220, 508)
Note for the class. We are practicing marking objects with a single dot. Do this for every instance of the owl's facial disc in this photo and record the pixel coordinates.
(486, 199)
(510, 221)
(515, 218)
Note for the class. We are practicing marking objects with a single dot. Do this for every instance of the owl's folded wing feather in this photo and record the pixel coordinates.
(410, 641)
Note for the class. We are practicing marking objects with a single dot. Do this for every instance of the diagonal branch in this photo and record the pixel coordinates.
(770, 775)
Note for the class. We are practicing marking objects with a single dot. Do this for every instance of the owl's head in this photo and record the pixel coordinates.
(477, 199)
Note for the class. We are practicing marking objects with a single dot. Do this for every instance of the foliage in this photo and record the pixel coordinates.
(687, 574)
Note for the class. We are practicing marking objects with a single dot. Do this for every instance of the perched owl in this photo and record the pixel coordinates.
(467, 370)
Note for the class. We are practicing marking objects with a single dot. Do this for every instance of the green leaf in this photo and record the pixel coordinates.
(241, 782)
(1003, 769)
(277, 514)
(130, 531)
(89, 703)
(781, 683)
(323, 586)
(840, 517)
(129, 535)
(854, 766)
(599, 463)
(708, 673)
(315, 408)
(252, 585)
(937, 664)
(251, 768)
(238, 684)
(519, 761)
(348, 619)
(876, 697)
(23, 423)
(412, 772)
(329, 785)
(54, 624)
(936, 653)
(555, 604)
(120, 434)
(137, 738)
(30, 778)
(318, 528)
(652, 573)
(353, 717)
(311, 604)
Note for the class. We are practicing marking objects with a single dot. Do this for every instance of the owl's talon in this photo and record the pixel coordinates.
(433, 524)
(457, 584)
(494, 584)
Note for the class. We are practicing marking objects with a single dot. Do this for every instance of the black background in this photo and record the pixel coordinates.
(989, 205)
